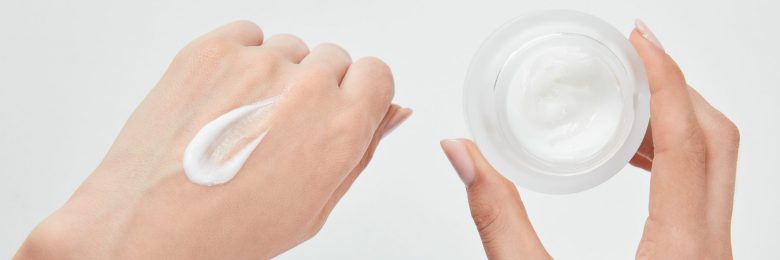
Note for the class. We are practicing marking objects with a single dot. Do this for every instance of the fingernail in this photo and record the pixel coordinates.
(647, 33)
(400, 116)
(459, 158)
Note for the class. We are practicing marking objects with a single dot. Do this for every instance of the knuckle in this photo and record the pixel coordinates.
(485, 207)
(673, 70)
(485, 214)
(288, 39)
(507, 189)
(728, 132)
(694, 146)
(245, 24)
(332, 47)
(686, 137)
(695, 140)
(375, 65)
(381, 74)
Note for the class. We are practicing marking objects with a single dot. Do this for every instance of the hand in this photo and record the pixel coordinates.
(138, 203)
(690, 149)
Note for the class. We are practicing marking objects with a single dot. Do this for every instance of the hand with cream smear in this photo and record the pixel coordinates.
(690, 149)
(300, 125)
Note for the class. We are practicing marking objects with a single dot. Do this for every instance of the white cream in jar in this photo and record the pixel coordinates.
(557, 101)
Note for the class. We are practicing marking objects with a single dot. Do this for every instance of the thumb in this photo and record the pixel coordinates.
(672, 117)
(495, 204)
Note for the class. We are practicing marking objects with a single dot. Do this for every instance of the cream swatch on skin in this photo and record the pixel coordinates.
(222, 146)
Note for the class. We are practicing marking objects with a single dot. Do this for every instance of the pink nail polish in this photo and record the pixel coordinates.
(398, 118)
(459, 158)
(647, 33)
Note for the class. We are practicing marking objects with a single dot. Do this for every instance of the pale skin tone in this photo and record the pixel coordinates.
(138, 204)
(690, 151)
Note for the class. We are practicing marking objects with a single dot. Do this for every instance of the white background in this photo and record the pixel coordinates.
(71, 72)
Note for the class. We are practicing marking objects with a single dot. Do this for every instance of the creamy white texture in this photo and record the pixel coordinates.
(222, 146)
(557, 101)
(564, 105)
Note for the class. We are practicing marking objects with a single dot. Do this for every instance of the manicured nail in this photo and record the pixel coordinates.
(647, 33)
(400, 116)
(459, 158)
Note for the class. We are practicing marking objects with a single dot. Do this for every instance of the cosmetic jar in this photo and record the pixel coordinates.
(557, 101)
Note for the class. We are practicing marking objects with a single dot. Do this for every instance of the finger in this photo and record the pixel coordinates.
(368, 84)
(495, 204)
(393, 114)
(290, 47)
(722, 138)
(245, 33)
(644, 155)
(677, 184)
(670, 105)
(396, 120)
(331, 58)
(641, 162)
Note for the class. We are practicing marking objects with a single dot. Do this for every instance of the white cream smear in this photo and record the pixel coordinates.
(222, 146)
(564, 104)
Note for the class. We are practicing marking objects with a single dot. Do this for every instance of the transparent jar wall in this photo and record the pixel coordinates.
(493, 73)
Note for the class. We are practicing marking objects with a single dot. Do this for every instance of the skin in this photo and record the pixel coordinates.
(138, 204)
(690, 149)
